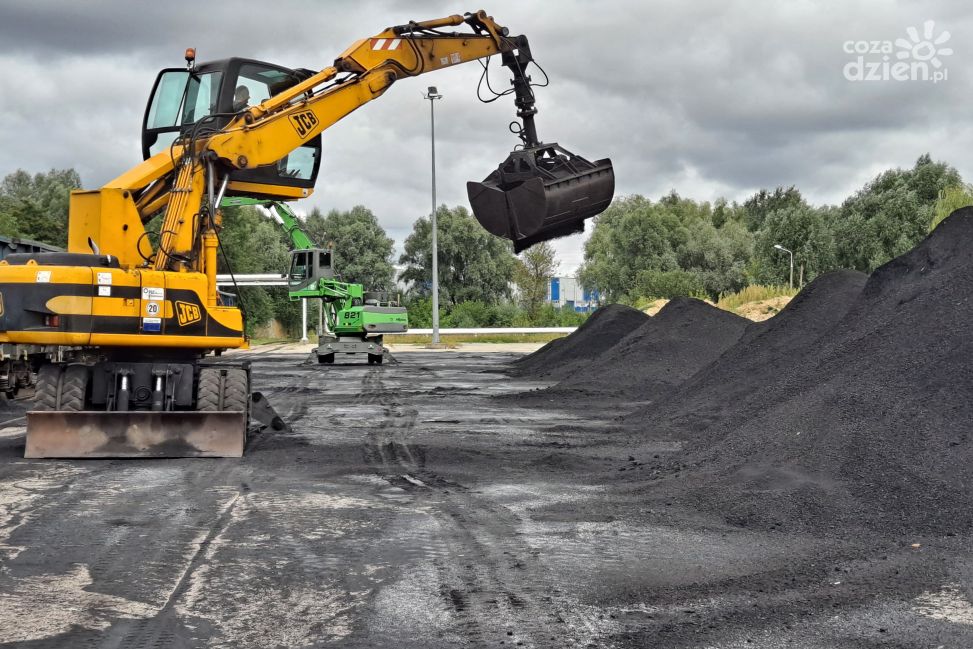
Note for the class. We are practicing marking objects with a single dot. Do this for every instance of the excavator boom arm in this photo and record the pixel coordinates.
(265, 133)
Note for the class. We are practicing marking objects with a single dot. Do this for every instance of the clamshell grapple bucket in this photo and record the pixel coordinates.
(541, 193)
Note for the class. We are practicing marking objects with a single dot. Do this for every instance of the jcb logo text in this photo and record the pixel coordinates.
(187, 313)
(303, 122)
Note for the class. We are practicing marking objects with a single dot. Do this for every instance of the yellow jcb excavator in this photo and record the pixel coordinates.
(122, 323)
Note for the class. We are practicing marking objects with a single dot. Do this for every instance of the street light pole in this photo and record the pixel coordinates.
(433, 95)
(783, 249)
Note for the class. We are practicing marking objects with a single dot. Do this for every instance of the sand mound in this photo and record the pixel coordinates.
(761, 310)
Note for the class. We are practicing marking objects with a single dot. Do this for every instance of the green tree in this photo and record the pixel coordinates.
(631, 236)
(717, 257)
(534, 270)
(807, 232)
(473, 264)
(8, 222)
(639, 248)
(757, 207)
(254, 244)
(36, 207)
(363, 250)
(891, 214)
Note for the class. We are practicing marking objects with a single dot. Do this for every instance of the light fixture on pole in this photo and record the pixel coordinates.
(432, 95)
(783, 249)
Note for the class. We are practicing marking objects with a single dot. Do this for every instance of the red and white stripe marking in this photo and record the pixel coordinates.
(386, 43)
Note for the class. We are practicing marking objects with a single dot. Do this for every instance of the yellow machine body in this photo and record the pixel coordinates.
(113, 307)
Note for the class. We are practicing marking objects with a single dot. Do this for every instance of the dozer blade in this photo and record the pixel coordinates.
(96, 434)
(541, 193)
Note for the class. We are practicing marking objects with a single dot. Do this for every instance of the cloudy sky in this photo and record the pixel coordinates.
(708, 98)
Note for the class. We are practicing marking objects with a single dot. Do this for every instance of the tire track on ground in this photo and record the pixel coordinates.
(489, 581)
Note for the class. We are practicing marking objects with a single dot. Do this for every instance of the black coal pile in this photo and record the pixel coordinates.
(604, 329)
(664, 351)
(722, 393)
(868, 425)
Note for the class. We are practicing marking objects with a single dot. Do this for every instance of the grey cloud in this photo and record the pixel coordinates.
(708, 99)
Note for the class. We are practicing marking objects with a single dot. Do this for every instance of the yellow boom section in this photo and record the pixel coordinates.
(177, 178)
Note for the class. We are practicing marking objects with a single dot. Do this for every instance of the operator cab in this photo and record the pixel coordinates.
(308, 266)
(181, 97)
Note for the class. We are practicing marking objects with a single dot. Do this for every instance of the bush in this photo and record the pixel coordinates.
(257, 307)
(475, 314)
(753, 293)
(549, 316)
(420, 313)
(288, 312)
(471, 314)
(950, 199)
(667, 284)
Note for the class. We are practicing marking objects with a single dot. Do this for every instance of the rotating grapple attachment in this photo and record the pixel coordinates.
(541, 193)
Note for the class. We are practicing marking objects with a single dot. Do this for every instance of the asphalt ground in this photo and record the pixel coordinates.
(404, 507)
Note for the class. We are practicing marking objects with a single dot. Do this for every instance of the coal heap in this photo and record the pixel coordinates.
(664, 351)
(722, 393)
(869, 424)
(604, 329)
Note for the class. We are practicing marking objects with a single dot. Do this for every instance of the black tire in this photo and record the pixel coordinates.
(74, 388)
(326, 359)
(208, 390)
(236, 390)
(47, 387)
(223, 390)
(375, 359)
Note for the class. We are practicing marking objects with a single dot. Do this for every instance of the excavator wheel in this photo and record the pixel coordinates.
(74, 387)
(221, 390)
(326, 359)
(209, 393)
(46, 388)
(375, 359)
(236, 390)
(59, 388)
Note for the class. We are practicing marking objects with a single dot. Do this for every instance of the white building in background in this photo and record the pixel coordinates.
(567, 293)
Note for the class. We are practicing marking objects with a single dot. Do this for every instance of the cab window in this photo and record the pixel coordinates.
(299, 163)
(300, 266)
(183, 98)
(261, 83)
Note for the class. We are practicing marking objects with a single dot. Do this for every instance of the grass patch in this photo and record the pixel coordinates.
(455, 339)
(753, 293)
